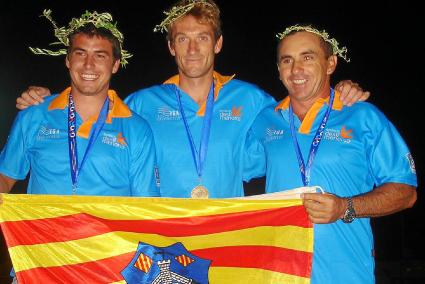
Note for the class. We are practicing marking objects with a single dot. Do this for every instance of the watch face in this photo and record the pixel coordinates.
(348, 216)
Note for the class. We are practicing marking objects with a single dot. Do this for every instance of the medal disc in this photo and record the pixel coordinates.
(199, 191)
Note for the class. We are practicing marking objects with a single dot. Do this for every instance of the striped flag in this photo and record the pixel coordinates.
(80, 239)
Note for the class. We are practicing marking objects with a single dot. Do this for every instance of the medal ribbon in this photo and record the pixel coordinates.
(306, 171)
(199, 157)
(72, 138)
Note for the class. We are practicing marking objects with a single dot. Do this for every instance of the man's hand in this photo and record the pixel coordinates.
(32, 96)
(323, 208)
(351, 92)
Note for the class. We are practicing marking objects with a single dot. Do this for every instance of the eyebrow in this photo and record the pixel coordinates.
(201, 33)
(102, 51)
(302, 53)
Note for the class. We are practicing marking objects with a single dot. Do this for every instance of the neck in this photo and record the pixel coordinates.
(88, 106)
(196, 88)
(300, 109)
(302, 106)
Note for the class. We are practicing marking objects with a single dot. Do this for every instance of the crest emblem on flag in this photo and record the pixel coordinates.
(163, 265)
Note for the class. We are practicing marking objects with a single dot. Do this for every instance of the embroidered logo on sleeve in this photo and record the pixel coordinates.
(409, 158)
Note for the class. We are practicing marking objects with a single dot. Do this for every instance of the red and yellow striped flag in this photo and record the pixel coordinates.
(79, 239)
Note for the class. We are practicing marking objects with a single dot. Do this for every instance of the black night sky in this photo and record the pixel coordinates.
(383, 40)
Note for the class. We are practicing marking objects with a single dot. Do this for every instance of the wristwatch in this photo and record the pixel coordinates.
(349, 214)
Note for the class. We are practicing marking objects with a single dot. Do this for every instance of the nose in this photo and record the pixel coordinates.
(89, 61)
(297, 67)
(193, 46)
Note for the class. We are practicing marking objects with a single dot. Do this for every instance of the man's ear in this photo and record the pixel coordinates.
(218, 45)
(332, 62)
(171, 48)
(116, 66)
(67, 61)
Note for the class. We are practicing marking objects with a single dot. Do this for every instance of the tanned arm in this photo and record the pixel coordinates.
(386, 199)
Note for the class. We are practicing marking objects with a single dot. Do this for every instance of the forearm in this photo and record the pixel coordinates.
(6, 183)
(384, 200)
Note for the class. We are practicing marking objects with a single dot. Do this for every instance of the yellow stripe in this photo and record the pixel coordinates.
(116, 243)
(30, 207)
(231, 275)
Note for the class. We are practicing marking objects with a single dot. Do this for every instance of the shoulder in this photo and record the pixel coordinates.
(249, 88)
(366, 112)
(249, 92)
(144, 98)
(143, 93)
(36, 111)
(137, 123)
(266, 118)
(268, 113)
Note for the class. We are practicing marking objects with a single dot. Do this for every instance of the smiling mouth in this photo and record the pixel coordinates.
(89, 77)
(299, 81)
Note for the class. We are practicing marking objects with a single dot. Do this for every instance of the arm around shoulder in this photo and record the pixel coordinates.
(32, 96)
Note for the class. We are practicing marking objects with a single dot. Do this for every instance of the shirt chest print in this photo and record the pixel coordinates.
(341, 134)
(234, 113)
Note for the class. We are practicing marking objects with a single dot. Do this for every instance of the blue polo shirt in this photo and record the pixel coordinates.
(120, 163)
(236, 105)
(360, 149)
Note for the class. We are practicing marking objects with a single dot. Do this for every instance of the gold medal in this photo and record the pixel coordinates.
(199, 191)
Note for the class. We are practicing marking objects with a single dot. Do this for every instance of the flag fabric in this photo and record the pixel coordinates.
(81, 239)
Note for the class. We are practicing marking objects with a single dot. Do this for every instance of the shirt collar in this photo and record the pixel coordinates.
(119, 110)
(312, 113)
(220, 81)
(337, 104)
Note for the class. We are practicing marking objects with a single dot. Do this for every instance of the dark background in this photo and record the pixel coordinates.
(384, 43)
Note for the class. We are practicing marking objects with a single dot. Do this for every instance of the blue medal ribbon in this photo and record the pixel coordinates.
(199, 157)
(306, 171)
(72, 138)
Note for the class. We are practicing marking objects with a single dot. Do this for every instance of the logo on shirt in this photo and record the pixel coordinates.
(164, 113)
(117, 141)
(346, 134)
(234, 114)
(47, 133)
(339, 135)
(411, 162)
(273, 134)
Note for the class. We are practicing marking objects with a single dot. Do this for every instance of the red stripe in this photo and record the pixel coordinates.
(108, 270)
(82, 225)
(101, 271)
(263, 257)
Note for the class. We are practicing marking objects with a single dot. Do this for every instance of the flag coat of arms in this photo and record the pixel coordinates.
(81, 239)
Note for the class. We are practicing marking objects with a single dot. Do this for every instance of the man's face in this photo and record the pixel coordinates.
(303, 67)
(91, 65)
(194, 47)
